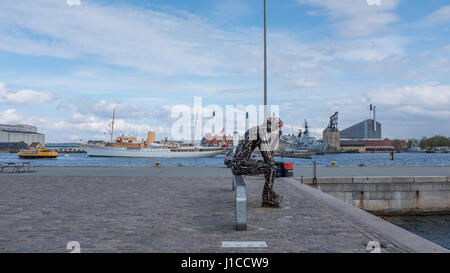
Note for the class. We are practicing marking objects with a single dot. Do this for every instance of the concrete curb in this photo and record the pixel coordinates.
(375, 179)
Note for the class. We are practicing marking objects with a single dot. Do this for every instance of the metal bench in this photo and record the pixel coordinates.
(16, 167)
(27, 167)
(241, 202)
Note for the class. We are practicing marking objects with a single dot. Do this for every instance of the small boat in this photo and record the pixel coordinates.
(37, 153)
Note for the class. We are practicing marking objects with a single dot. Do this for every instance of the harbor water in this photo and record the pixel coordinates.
(368, 159)
(435, 228)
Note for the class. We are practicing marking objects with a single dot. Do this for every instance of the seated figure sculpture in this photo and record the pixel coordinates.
(265, 137)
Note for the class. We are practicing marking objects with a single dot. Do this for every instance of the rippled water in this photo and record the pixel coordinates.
(435, 228)
(368, 159)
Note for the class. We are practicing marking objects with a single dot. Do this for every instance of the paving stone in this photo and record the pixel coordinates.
(164, 214)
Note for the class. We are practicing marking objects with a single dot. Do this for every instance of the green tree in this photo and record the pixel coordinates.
(398, 144)
(436, 141)
(410, 143)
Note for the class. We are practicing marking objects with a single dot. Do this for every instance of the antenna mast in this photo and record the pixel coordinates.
(112, 125)
(195, 128)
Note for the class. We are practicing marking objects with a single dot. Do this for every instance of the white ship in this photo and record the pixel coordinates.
(150, 152)
(130, 147)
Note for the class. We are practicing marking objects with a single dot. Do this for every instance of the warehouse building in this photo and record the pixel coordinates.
(353, 145)
(367, 129)
(20, 133)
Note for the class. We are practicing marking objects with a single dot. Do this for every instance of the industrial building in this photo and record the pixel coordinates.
(367, 129)
(20, 133)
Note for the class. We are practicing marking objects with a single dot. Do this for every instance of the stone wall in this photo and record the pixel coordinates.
(389, 195)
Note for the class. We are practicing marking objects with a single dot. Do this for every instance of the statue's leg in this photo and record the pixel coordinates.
(248, 168)
(269, 197)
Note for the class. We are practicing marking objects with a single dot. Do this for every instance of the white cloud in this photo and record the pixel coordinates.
(426, 95)
(441, 15)
(153, 41)
(173, 42)
(305, 83)
(80, 126)
(73, 2)
(372, 49)
(168, 42)
(24, 97)
(104, 108)
(357, 18)
(424, 100)
(10, 116)
(86, 126)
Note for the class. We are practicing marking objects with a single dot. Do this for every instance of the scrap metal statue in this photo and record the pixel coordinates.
(266, 138)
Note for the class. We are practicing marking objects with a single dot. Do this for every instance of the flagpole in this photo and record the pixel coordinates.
(265, 64)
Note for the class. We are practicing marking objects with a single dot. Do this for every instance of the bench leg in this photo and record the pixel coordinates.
(241, 207)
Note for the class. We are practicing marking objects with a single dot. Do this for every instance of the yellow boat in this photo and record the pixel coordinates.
(37, 153)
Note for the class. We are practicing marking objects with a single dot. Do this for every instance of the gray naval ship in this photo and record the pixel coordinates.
(303, 145)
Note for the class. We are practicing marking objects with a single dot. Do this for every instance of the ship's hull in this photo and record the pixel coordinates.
(102, 151)
(38, 157)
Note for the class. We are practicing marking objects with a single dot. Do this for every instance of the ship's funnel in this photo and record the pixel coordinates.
(150, 138)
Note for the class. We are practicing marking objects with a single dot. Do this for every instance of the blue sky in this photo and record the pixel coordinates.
(65, 67)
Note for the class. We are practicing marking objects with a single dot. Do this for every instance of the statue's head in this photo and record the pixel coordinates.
(273, 123)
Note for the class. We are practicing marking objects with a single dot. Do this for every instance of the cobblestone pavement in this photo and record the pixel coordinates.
(138, 214)
(206, 172)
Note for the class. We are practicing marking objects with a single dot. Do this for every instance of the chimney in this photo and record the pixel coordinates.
(374, 118)
(235, 140)
(370, 111)
(213, 134)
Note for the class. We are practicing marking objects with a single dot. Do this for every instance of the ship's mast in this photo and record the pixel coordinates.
(112, 125)
(195, 128)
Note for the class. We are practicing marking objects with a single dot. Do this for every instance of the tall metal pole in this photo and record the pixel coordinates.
(265, 64)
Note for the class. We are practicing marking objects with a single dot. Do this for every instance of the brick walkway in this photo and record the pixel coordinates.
(137, 214)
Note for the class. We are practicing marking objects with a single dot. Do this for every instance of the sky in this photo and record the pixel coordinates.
(66, 64)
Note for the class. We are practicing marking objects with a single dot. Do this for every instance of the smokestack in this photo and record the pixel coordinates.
(213, 134)
(374, 118)
(370, 111)
(246, 121)
(235, 140)
(235, 133)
